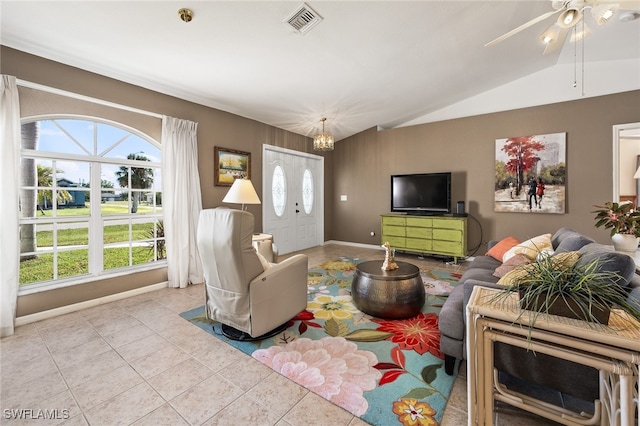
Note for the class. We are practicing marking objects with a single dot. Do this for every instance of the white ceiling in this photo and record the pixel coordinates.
(367, 64)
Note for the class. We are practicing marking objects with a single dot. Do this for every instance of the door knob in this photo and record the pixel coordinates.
(297, 211)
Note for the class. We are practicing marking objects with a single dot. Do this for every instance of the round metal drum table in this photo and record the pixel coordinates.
(388, 294)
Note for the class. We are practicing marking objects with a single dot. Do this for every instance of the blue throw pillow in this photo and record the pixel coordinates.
(609, 260)
(574, 242)
(561, 234)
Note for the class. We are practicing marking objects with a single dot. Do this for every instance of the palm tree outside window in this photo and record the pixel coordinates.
(135, 178)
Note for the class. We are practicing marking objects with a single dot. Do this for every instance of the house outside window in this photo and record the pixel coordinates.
(90, 202)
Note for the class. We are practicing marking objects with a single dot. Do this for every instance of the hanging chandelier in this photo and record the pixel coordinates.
(323, 141)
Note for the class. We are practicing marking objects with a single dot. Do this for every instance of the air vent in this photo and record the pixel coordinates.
(303, 19)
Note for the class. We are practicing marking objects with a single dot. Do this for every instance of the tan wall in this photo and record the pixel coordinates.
(215, 128)
(466, 147)
(360, 166)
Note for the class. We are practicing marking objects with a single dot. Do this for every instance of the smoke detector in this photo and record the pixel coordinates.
(628, 16)
(303, 19)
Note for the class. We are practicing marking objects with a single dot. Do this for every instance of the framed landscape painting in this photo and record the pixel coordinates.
(229, 165)
(531, 174)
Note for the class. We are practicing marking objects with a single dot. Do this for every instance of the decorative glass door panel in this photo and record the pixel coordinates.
(293, 208)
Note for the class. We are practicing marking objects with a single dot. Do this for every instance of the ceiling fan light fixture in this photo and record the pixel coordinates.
(550, 35)
(323, 141)
(569, 18)
(602, 13)
(578, 35)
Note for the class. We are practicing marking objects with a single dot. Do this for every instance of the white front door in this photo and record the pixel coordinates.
(293, 199)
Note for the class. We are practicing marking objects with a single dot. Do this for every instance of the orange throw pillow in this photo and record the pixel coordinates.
(504, 245)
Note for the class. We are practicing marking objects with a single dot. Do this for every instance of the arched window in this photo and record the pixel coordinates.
(90, 201)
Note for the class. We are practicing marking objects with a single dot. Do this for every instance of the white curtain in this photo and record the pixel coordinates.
(181, 200)
(10, 184)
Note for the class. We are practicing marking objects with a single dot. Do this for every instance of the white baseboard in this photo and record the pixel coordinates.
(349, 243)
(379, 247)
(39, 316)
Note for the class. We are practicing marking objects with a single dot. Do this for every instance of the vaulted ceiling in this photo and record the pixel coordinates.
(366, 64)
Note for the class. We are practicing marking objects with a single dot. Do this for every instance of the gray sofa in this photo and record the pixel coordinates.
(559, 375)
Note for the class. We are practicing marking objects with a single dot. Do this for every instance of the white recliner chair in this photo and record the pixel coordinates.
(251, 301)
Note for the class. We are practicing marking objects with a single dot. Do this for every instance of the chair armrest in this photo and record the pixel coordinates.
(469, 286)
(298, 261)
(265, 248)
(279, 293)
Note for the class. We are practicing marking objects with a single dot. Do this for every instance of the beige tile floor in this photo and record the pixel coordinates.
(136, 362)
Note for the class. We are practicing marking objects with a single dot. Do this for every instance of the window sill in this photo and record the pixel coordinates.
(41, 287)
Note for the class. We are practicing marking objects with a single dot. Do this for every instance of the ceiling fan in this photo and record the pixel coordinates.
(570, 13)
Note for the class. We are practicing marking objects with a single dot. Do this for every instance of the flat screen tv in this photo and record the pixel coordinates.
(423, 194)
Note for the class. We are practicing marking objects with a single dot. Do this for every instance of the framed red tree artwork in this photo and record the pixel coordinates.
(531, 174)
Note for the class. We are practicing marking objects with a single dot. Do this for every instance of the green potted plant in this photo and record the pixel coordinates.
(565, 287)
(623, 221)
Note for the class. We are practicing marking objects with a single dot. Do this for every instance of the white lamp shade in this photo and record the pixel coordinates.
(602, 13)
(569, 18)
(578, 35)
(242, 192)
(551, 34)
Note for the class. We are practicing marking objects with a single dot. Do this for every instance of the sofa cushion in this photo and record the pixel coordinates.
(478, 274)
(450, 318)
(560, 261)
(565, 259)
(530, 248)
(511, 264)
(504, 245)
(561, 234)
(515, 274)
(609, 260)
(484, 262)
(573, 242)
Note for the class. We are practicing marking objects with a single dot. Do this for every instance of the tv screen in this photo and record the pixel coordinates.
(425, 193)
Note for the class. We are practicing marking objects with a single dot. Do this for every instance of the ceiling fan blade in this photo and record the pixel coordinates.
(624, 4)
(522, 27)
(557, 45)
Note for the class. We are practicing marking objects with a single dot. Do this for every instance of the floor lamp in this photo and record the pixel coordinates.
(241, 192)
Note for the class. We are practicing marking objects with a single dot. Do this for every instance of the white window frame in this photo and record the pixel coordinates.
(96, 222)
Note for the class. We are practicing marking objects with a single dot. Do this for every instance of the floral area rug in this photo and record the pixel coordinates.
(387, 372)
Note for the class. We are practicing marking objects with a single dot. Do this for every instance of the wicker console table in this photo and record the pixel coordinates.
(614, 350)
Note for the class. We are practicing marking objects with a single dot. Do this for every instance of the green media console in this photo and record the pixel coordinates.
(442, 235)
